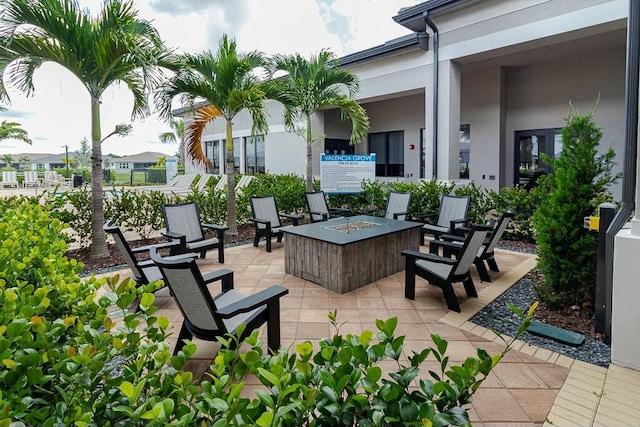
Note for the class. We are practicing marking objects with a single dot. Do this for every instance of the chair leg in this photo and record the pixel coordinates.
(184, 335)
(273, 325)
(491, 261)
(221, 253)
(256, 239)
(268, 243)
(482, 270)
(410, 279)
(469, 287)
(450, 297)
(203, 254)
(227, 282)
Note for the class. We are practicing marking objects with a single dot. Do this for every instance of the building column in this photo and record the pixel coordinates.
(448, 164)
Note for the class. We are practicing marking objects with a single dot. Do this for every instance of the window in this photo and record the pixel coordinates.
(236, 155)
(389, 149)
(465, 153)
(338, 146)
(254, 154)
(529, 145)
(212, 151)
(423, 154)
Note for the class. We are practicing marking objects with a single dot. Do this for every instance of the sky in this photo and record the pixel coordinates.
(59, 112)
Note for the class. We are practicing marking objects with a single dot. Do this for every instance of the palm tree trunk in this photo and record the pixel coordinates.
(309, 156)
(98, 239)
(232, 221)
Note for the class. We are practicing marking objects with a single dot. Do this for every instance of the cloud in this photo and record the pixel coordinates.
(13, 114)
(337, 23)
(209, 18)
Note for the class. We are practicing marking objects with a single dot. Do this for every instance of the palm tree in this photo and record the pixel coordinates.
(311, 85)
(176, 134)
(24, 161)
(228, 83)
(114, 46)
(12, 130)
(8, 160)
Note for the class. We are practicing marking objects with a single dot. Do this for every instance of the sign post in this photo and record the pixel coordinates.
(171, 166)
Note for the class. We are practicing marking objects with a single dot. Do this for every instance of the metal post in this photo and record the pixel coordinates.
(607, 212)
(66, 158)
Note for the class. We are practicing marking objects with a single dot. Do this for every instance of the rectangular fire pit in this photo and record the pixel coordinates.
(344, 254)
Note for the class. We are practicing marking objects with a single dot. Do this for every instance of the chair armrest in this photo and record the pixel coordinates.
(428, 257)
(294, 218)
(215, 275)
(261, 221)
(324, 215)
(397, 214)
(453, 238)
(449, 247)
(425, 217)
(147, 248)
(252, 302)
(455, 222)
(215, 227)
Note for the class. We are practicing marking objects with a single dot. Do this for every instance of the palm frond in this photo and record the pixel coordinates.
(193, 134)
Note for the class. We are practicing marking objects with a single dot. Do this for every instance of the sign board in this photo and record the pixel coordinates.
(172, 168)
(344, 173)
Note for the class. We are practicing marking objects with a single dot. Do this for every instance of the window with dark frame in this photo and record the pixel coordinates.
(465, 150)
(389, 150)
(212, 151)
(254, 154)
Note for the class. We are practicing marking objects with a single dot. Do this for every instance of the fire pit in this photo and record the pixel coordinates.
(353, 226)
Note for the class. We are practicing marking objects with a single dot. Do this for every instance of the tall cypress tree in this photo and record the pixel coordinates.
(578, 182)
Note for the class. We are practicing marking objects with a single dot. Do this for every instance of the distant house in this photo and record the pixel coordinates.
(136, 161)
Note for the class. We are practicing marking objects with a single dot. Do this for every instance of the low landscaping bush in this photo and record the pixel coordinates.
(141, 211)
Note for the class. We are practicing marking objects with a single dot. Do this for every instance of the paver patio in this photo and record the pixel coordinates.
(530, 387)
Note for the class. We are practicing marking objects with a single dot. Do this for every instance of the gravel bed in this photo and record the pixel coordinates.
(498, 317)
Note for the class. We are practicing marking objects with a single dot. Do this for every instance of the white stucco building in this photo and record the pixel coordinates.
(507, 71)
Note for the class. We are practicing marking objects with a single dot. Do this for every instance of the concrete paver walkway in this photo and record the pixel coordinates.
(530, 387)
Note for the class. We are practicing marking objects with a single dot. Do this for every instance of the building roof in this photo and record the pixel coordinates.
(413, 17)
(33, 157)
(146, 157)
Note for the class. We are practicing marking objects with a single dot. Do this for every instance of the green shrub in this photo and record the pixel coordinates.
(580, 177)
(137, 211)
(522, 203)
(343, 384)
(63, 360)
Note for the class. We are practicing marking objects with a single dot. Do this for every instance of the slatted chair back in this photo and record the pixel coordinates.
(195, 301)
(452, 208)
(9, 178)
(30, 178)
(243, 183)
(398, 206)
(221, 184)
(266, 209)
(317, 206)
(125, 250)
(499, 230)
(184, 218)
(470, 249)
